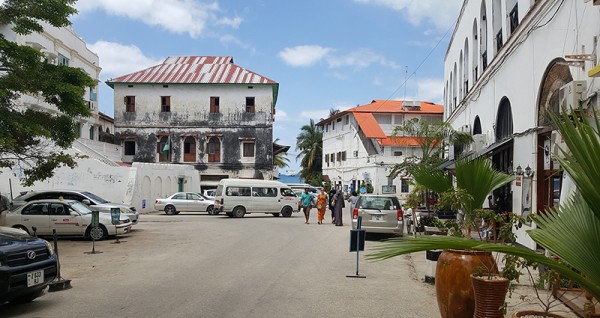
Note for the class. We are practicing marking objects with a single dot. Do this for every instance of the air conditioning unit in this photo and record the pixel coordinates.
(355, 153)
(570, 95)
(479, 143)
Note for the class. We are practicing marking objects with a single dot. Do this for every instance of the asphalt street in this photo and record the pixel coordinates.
(197, 265)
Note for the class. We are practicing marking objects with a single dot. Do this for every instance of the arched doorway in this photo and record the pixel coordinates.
(189, 149)
(476, 126)
(214, 149)
(502, 156)
(549, 175)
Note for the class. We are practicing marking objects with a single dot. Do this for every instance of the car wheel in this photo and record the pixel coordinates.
(286, 212)
(28, 297)
(238, 212)
(97, 233)
(276, 215)
(170, 210)
(21, 227)
(211, 209)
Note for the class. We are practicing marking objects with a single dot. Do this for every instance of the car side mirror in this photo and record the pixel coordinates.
(86, 201)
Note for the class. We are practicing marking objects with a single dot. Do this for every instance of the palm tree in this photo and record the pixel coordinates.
(310, 144)
(569, 232)
(280, 160)
(333, 111)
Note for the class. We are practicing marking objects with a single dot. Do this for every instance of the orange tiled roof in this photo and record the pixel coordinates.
(395, 106)
(368, 124)
(400, 141)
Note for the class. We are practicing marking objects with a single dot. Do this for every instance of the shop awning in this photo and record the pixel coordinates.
(495, 147)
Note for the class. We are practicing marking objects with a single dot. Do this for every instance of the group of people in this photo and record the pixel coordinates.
(334, 200)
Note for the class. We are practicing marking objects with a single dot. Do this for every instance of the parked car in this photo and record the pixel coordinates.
(380, 214)
(238, 197)
(27, 265)
(209, 194)
(94, 202)
(67, 217)
(185, 202)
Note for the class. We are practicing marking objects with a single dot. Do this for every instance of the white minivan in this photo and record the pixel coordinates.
(238, 197)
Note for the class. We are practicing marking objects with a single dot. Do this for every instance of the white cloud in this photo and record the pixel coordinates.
(431, 89)
(303, 55)
(442, 14)
(360, 58)
(309, 55)
(316, 115)
(119, 59)
(177, 16)
(281, 115)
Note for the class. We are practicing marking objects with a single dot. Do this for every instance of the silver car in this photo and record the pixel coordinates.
(380, 214)
(93, 201)
(185, 202)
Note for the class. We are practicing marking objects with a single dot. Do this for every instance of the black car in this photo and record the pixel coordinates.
(27, 265)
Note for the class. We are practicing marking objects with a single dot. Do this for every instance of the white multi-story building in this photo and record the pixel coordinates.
(203, 111)
(63, 47)
(508, 63)
(358, 145)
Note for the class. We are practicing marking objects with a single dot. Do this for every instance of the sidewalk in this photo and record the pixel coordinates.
(523, 297)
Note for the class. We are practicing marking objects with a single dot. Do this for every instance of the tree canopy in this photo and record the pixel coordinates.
(310, 144)
(31, 139)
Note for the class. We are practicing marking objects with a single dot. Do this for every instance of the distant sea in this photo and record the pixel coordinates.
(290, 179)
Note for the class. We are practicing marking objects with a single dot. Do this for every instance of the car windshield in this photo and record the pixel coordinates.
(287, 192)
(81, 208)
(94, 198)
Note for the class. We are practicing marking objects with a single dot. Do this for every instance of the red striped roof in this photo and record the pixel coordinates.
(194, 70)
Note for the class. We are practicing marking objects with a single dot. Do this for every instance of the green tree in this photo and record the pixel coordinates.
(280, 160)
(333, 111)
(30, 139)
(310, 144)
(430, 136)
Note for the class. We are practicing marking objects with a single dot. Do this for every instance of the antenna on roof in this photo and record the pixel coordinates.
(405, 80)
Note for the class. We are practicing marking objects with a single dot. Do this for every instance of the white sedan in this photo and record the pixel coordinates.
(185, 202)
(67, 217)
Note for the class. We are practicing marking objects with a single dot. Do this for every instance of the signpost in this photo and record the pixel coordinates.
(95, 224)
(357, 243)
(115, 217)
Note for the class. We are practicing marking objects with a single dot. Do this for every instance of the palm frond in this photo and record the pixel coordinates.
(432, 179)
(400, 246)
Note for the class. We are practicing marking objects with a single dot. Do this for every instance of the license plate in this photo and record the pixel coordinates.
(376, 217)
(35, 278)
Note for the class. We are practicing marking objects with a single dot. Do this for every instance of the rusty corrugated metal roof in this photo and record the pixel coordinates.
(194, 70)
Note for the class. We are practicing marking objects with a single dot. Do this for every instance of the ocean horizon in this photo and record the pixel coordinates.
(290, 179)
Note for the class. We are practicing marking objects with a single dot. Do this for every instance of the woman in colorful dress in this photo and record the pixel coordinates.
(321, 205)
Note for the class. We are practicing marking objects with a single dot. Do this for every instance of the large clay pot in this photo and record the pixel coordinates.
(453, 280)
(490, 293)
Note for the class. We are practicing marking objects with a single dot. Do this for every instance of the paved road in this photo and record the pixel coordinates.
(196, 265)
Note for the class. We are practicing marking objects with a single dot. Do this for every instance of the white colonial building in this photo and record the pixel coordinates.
(63, 47)
(203, 111)
(358, 145)
(508, 63)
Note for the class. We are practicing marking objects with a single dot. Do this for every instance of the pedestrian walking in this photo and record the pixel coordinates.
(331, 195)
(307, 202)
(321, 206)
(338, 208)
(352, 199)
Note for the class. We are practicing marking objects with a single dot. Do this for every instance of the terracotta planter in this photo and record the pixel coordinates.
(490, 293)
(534, 313)
(453, 281)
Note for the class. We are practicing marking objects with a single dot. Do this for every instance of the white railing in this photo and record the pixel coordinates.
(88, 151)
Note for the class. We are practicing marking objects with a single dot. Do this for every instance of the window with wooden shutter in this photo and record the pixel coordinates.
(214, 104)
(250, 107)
(129, 104)
(165, 104)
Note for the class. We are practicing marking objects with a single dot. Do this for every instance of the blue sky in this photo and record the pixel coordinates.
(324, 54)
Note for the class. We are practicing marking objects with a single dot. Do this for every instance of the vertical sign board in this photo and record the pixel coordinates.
(357, 239)
(115, 215)
(95, 218)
